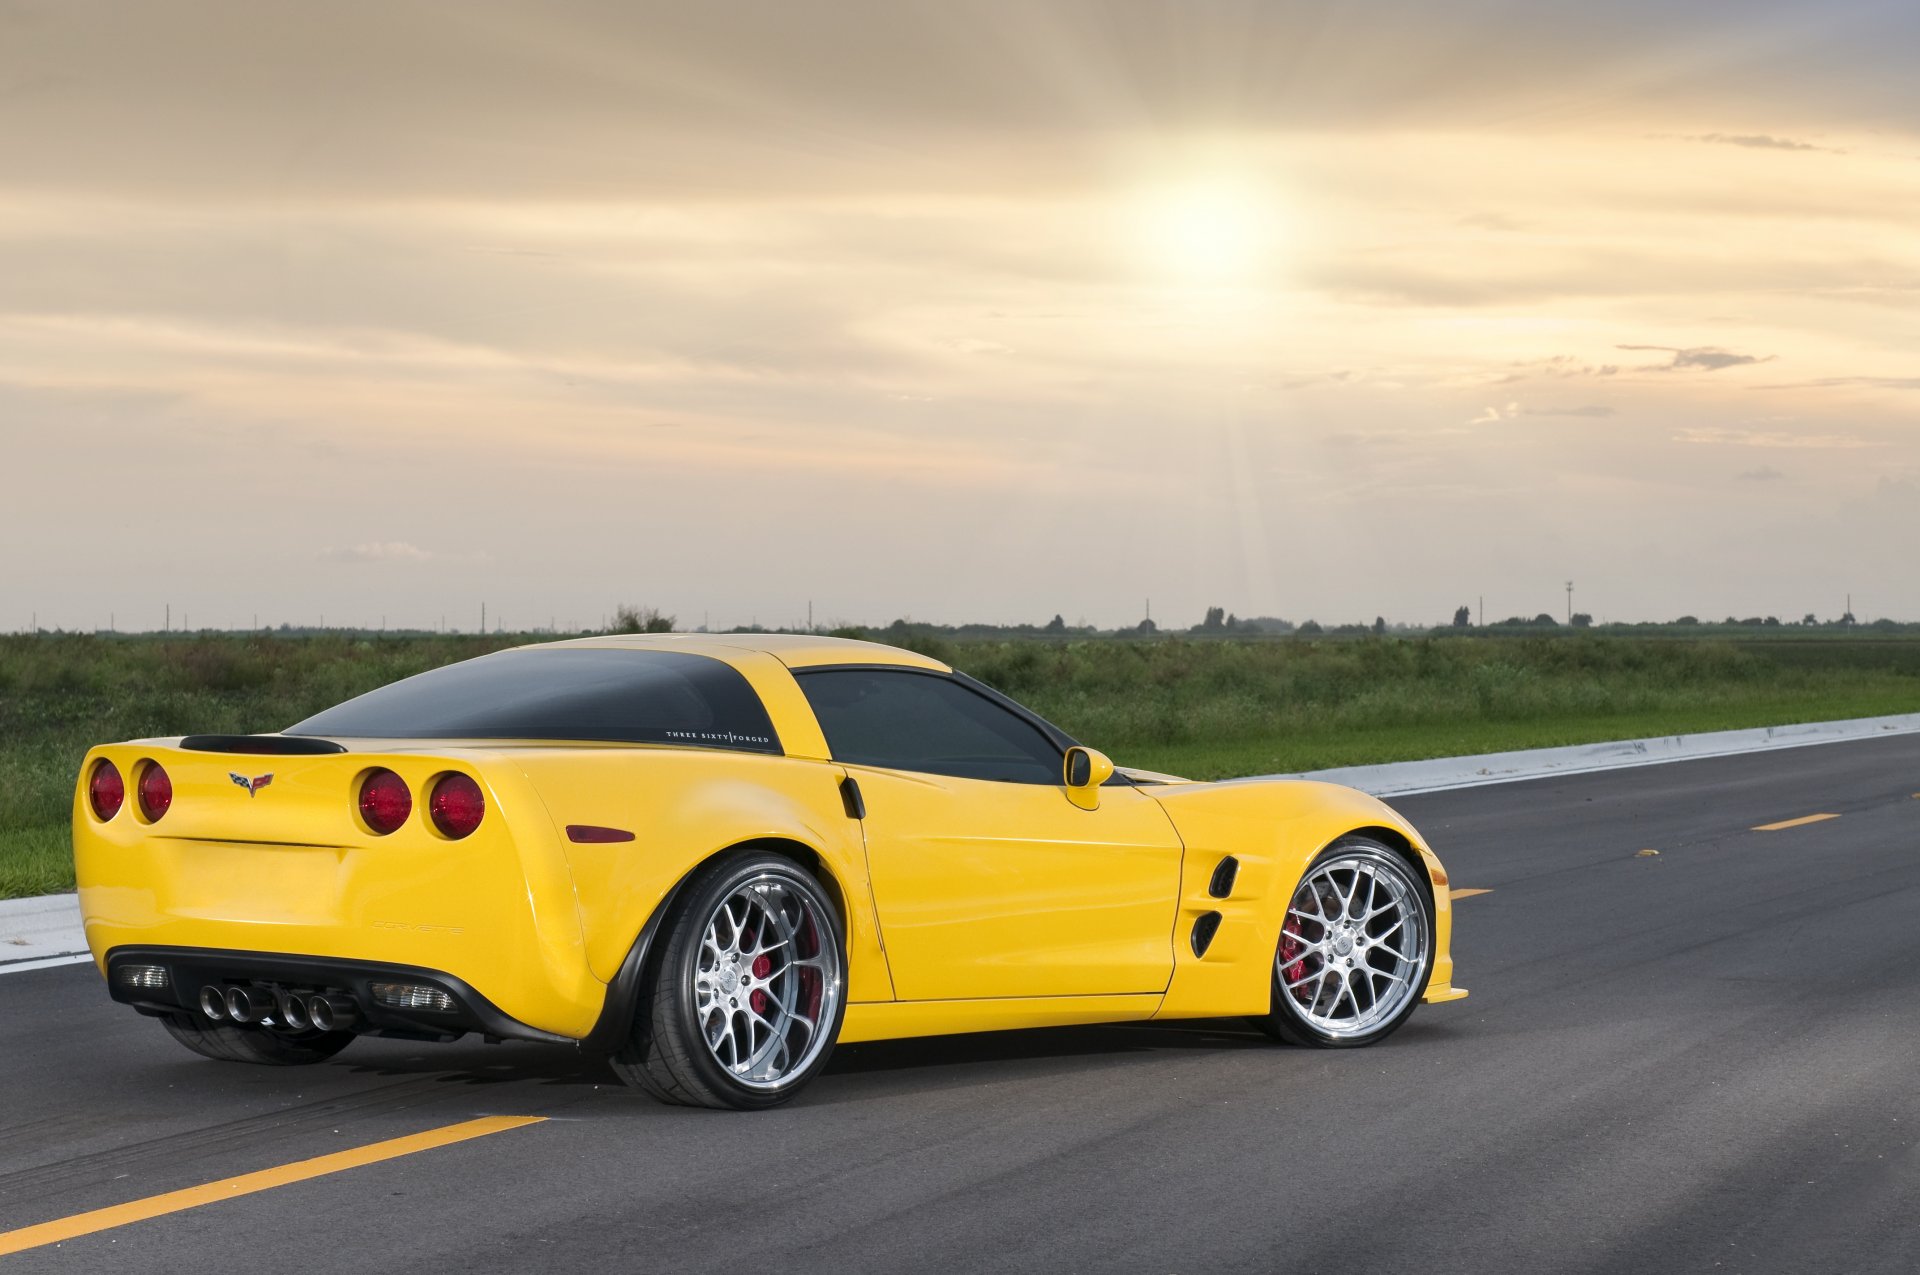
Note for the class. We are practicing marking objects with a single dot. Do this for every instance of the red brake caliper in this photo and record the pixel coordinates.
(1292, 963)
(762, 966)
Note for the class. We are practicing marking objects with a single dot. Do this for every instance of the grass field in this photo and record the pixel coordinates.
(1207, 709)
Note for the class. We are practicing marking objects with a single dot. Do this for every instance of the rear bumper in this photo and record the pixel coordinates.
(291, 872)
(191, 968)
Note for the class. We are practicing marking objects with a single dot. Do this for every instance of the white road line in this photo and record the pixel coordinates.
(41, 932)
(1440, 774)
(44, 962)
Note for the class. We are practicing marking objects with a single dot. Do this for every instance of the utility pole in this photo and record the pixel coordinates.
(809, 615)
(169, 617)
(1483, 610)
(483, 617)
(1569, 602)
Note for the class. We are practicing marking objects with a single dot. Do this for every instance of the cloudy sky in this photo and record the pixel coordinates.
(959, 311)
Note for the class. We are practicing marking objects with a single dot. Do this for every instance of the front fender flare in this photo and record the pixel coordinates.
(1275, 828)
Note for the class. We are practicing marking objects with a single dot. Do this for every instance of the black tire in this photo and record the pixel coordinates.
(229, 1042)
(1312, 956)
(668, 1053)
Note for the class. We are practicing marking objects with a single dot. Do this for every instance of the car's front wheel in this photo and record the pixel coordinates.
(748, 994)
(1355, 950)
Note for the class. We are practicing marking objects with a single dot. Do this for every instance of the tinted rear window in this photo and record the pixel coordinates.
(641, 697)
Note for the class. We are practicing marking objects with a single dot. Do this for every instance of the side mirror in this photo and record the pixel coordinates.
(1084, 771)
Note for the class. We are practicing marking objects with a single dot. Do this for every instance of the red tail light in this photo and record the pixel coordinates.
(106, 790)
(456, 805)
(156, 791)
(385, 801)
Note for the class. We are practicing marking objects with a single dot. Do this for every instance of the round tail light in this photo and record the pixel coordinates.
(156, 791)
(456, 805)
(106, 790)
(385, 801)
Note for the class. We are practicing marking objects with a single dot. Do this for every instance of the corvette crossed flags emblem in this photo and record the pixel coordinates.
(254, 785)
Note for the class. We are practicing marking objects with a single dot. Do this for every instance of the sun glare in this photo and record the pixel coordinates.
(1207, 233)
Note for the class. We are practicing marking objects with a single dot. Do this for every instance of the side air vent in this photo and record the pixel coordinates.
(1223, 876)
(266, 745)
(1203, 930)
(850, 798)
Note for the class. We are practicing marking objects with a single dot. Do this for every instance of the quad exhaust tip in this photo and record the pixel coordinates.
(293, 1012)
(213, 1002)
(321, 1011)
(248, 1005)
(329, 1013)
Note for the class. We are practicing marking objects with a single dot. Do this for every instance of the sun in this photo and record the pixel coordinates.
(1210, 232)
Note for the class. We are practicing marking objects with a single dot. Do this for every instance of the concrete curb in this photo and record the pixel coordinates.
(1399, 779)
(40, 932)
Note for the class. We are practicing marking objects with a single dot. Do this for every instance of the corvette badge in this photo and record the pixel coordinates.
(254, 785)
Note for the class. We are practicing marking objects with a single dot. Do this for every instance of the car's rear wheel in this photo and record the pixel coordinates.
(264, 1046)
(1355, 950)
(748, 994)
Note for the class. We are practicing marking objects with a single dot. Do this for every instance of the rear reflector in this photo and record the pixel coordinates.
(456, 805)
(411, 996)
(144, 978)
(106, 790)
(385, 801)
(156, 791)
(593, 834)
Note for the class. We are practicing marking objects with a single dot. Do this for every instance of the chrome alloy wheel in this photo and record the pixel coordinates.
(768, 978)
(1354, 948)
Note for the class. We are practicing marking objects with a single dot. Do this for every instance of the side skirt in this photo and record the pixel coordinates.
(894, 1020)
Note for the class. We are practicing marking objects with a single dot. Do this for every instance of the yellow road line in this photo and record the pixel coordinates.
(1466, 894)
(1793, 823)
(193, 1197)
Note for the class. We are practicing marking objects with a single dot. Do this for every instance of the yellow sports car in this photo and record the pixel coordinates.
(715, 856)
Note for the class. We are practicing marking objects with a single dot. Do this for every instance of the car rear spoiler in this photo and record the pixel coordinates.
(267, 745)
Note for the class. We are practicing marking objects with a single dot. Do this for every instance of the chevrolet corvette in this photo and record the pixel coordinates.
(713, 857)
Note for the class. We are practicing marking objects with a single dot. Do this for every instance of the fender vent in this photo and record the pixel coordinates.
(1223, 876)
(850, 798)
(1203, 931)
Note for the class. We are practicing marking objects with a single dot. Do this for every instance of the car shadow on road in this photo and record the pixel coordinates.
(879, 1070)
(974, 1057)
(476, 1063)
(871, 1071)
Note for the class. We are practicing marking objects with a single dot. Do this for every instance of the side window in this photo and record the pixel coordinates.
(925, 722)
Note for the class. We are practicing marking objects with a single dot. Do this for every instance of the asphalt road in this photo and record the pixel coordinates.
(1701, 1060)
